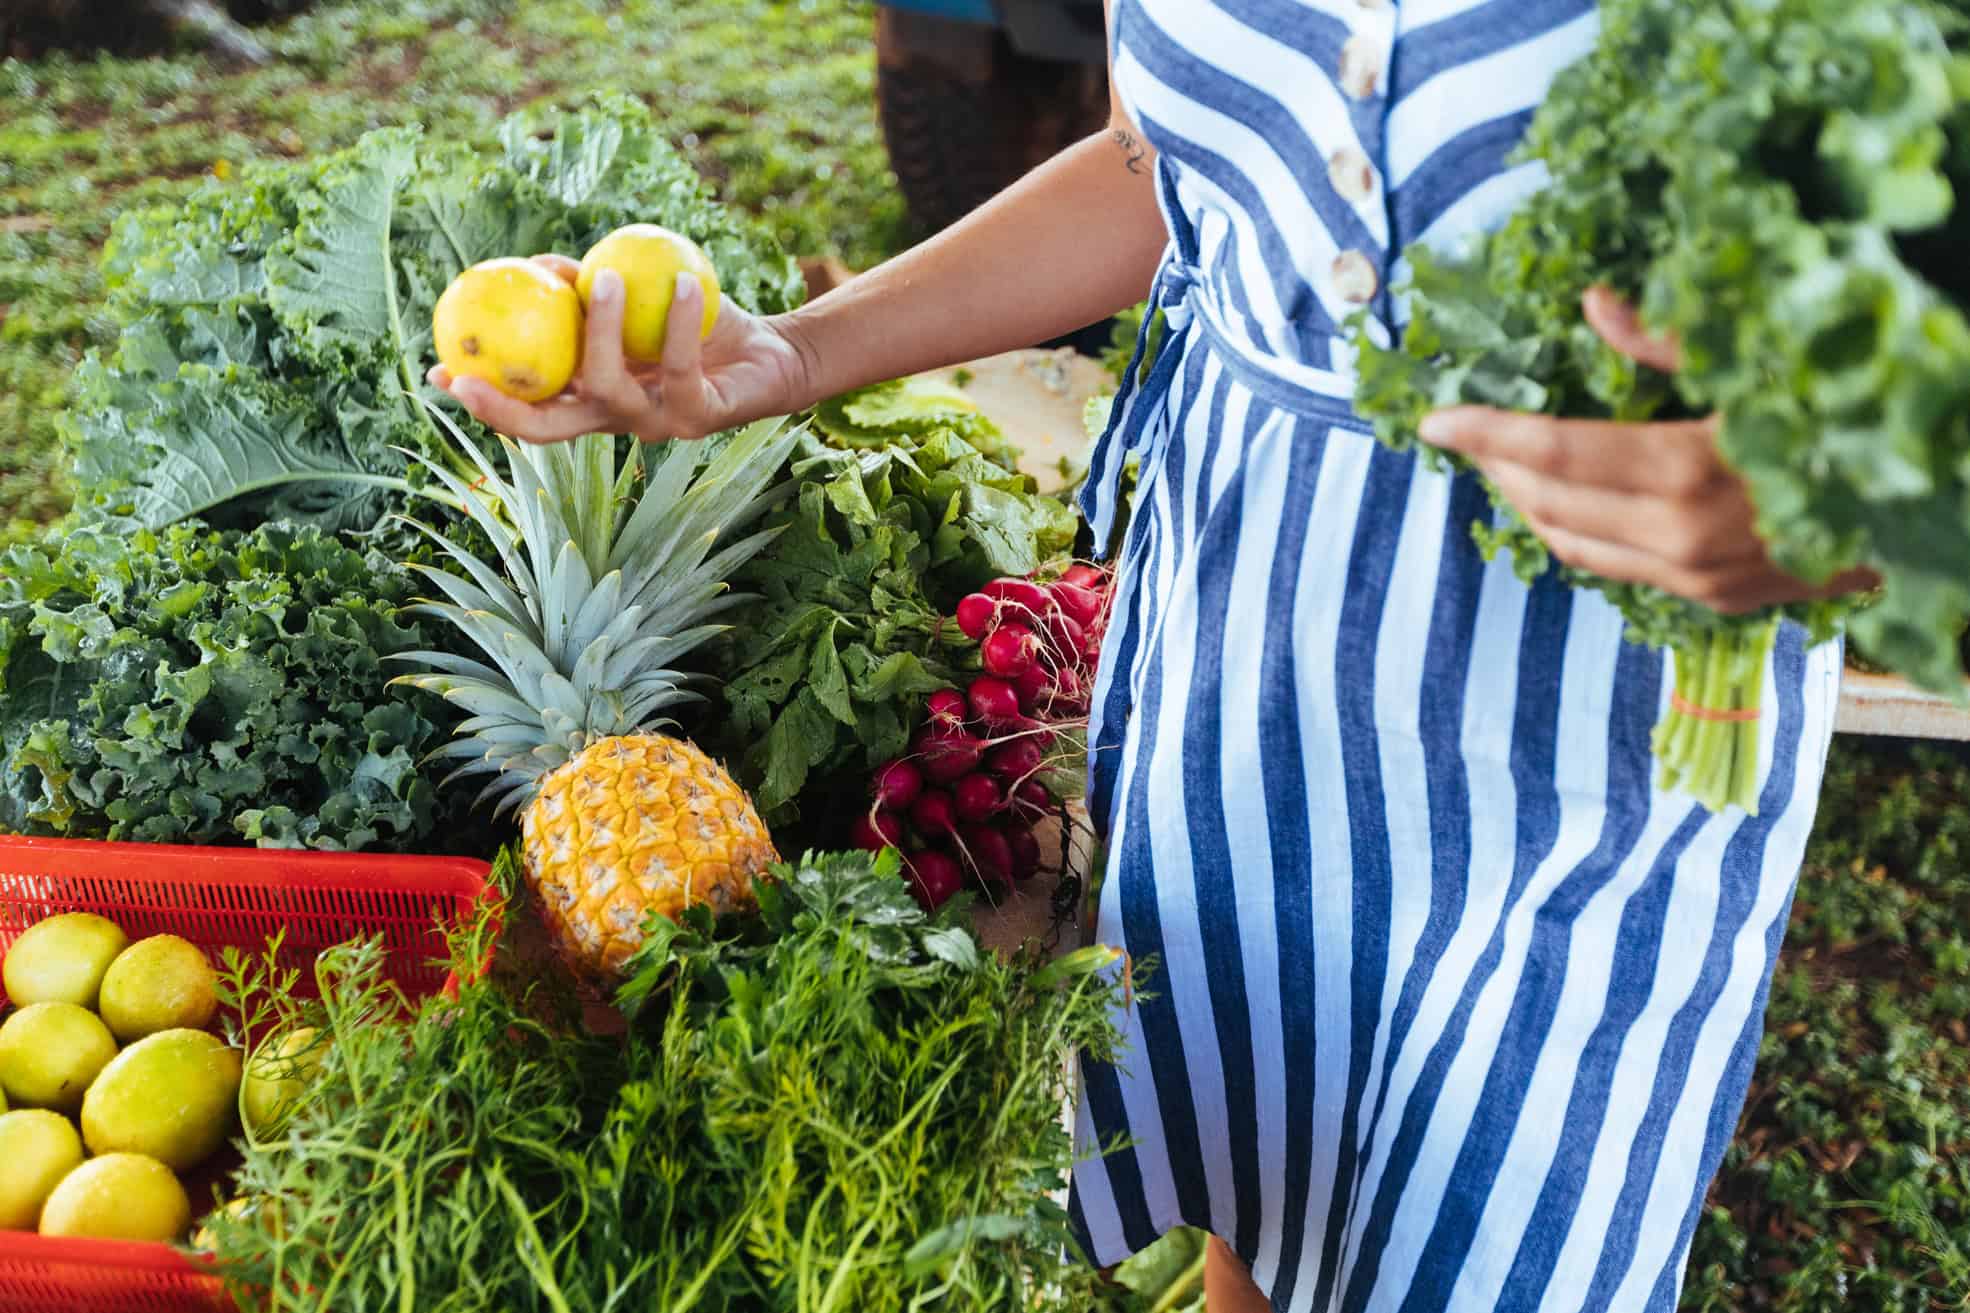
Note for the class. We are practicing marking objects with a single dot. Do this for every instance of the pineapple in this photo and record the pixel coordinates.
(635, 824)
(606, 586)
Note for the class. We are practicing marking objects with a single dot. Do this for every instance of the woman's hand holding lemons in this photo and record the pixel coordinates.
(660, 353)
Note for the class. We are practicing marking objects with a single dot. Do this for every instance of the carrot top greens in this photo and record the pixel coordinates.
(838, 1103)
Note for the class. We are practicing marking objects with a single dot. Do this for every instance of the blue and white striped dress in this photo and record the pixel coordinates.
(1453, 1010)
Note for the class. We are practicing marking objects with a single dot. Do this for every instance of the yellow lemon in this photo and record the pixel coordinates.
(649, 258)
(50, 1052)
(119, 1196)
(37, 1149)
(511, 323)
(277, 1075)
(245, 1209)
(159, 983)
(61, 959)
(170, 1095)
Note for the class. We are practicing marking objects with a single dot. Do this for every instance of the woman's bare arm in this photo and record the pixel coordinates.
(1069, 244)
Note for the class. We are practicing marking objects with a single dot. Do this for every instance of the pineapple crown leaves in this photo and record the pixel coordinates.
(605, 588)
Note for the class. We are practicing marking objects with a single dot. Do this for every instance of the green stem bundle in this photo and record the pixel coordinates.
(1707, 738)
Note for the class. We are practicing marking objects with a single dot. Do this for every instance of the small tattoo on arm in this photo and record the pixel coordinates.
(1130, 148)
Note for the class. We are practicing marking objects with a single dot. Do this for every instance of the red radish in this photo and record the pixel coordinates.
(1031, 795)
(933, 813)
(1082, 575)
(934, 878)
(1033, 686)
(897, 784)
(877, 830)
(1008, 651)
(1015, 759)
(1082, 604)
(947, 753)
(1025, 848)
(995, 702)
(1021, 593)
(976, 612)
(977, 796)
(1069, 639)
(1065, 693)
(991, 855)
(947, 708)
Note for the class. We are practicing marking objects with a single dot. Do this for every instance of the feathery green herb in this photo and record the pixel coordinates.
(836, 1104)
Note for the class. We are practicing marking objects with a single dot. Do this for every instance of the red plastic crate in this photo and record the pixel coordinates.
(216, 898)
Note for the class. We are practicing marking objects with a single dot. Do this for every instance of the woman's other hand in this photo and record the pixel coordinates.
(745, 370)
(1649, 503)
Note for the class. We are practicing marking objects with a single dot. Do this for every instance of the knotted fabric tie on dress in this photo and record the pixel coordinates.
(1137, 400)
(1182, 305)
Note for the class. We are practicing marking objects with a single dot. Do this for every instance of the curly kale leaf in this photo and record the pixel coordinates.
(202, 686)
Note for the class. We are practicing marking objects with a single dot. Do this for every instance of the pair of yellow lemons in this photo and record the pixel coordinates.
(518, 325)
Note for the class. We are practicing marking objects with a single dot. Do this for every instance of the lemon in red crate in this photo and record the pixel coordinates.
(277, 1076)
(37, 1149)
(512, 323)
(170, 1095)
(251, 1209)
(649, 258)
(159, 983)
(49, 1054)
(61, 959)
(119, 1196)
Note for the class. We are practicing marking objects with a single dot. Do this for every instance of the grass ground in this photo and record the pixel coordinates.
(773, 98)
(1849, 1184)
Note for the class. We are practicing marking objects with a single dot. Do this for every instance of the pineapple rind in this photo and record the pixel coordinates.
(635, 825)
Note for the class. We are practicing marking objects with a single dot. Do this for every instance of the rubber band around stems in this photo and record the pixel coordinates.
(1714, 714)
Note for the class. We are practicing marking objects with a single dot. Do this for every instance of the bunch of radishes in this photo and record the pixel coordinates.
(964, 801)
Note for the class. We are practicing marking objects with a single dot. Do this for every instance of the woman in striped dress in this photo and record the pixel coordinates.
(1452, 1009)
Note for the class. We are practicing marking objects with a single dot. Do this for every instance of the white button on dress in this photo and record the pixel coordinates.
(1296, 774)
(1361, 66)
(1351, 175)
(1355, 279)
